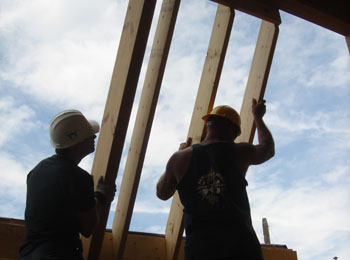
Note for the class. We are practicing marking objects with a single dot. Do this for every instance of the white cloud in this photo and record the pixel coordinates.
(332, 75)
(15, 178)
(329, 126)
(65, 56)
(305, 215)
(155, 229)
(337, 175)
(142, 208)
(17, 119)
(12, 186)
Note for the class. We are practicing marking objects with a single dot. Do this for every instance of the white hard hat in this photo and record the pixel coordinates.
(70, 127)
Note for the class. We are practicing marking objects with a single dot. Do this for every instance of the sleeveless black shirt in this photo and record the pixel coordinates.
(216, 207)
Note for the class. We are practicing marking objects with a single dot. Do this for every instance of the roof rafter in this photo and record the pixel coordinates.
(333, 15)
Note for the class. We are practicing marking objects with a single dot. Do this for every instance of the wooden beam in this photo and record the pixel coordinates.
(256, 8)
(12, 237)
(143, 123)
(266, 232)
(211, 73)
(333, 15)
(118, 105)
(347, 39)
(139, 246)
(174, 229)
(258, 76)
(205, 99)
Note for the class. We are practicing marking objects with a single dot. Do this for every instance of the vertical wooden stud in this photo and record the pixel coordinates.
(118, 106)
(266, 232)
(143, 124)
(205, 99)
(257, 80)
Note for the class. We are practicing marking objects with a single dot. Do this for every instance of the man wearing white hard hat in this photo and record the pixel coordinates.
(61, 202)
(210, 180)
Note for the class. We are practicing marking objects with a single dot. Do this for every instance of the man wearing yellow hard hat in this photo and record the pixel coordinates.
(61, 202)
(210, 180)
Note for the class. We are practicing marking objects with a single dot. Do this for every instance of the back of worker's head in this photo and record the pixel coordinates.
(224, 116)
(70, 127)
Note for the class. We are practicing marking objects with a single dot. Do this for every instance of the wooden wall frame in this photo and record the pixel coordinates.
(120, 243)
(123, 85)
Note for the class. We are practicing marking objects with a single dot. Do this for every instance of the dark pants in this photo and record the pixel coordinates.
(50, 250)
(221, 243)
(224, 258)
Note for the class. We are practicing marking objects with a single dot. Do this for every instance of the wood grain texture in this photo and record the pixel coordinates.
(118, 106)
(204, 102)
(143, 124)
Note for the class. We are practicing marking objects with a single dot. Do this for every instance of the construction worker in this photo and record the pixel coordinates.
(61, 203)
(210, 180)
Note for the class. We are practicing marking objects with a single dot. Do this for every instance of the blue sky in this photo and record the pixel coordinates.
(56, 55)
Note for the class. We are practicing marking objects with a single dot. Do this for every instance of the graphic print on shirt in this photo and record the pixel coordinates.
(211, 187)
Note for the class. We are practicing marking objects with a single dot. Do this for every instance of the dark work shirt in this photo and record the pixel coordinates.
(216, 207)
(57, 190)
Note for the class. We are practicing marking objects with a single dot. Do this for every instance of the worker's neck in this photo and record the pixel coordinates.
(74, 155)
(216, 137)
(77, 158)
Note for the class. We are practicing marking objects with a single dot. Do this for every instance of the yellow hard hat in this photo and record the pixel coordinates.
(226, 112)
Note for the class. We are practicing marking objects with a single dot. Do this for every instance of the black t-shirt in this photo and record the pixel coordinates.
(57, 190)
(216, 207)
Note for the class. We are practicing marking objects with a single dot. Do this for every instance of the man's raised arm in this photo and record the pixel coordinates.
(266, 147)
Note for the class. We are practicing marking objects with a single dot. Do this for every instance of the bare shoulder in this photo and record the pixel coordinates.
(252, 154)
(242, 154)
(181, 155)
(180, 161)
(243, 148)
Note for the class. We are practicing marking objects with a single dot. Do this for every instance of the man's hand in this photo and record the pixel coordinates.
(185, 145)
(107, 190)
(266, 147)
(258, 108)
(166, 185)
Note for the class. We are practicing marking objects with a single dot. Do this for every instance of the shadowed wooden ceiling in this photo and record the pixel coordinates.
(333, 14)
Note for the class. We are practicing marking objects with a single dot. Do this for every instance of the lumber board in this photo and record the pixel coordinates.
(144, 246)
(204, 102)
(140, 246)
(174, 228)
(143, 123)
(118, 106)
(258, 76)
(333, 15)
(12, 236)
(255, 8)
(278, 252)
(211, 73)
